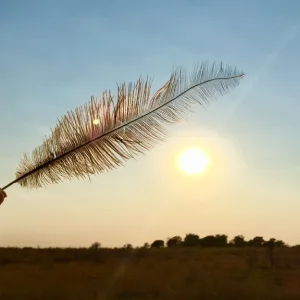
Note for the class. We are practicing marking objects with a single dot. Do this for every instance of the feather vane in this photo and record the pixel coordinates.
(100, 135)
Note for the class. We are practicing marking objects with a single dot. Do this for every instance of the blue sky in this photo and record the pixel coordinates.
(54, 55)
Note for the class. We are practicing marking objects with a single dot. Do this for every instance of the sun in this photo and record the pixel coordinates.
(193, 161)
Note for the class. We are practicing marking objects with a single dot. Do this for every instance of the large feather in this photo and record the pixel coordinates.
(101, 135)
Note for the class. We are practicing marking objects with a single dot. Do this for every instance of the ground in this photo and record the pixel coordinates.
(180, 273)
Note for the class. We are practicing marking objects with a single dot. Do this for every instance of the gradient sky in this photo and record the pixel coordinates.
(55, 54)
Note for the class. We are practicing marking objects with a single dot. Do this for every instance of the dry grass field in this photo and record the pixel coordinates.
(178, 273)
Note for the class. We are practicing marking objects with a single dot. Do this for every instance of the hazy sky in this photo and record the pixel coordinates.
(55, 54)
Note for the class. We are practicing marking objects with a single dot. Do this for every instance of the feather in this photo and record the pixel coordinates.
(100, 135)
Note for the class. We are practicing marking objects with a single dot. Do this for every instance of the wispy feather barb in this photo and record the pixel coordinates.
(102, 134)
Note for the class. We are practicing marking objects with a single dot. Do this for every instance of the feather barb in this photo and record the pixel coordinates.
(100, 135)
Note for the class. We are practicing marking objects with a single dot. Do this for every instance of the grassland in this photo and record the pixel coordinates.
(178, 273)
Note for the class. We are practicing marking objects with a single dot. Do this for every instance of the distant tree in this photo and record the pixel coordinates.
(128, 246)
(270, 243)
(208, 241)
(191, 240)
(95, 246)
(174, 241)
(258, 241)
(146, 245)
(238, 241)
(158, 244)
(280, 243)
(93, 252)
(219, 240)
(274, 243)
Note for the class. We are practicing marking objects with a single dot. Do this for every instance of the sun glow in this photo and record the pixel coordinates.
(96, 121)
(193, 161)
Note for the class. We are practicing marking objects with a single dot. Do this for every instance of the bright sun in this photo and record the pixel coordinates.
(193, 161)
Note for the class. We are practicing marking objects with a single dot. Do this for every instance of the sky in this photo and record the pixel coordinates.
(54, 55)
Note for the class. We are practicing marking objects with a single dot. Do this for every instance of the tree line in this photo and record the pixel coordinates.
(219, 240)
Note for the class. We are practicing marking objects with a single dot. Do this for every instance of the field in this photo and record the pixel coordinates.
(169, 273)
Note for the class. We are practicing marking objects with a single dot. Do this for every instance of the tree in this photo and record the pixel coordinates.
(280, 243)
(191, 240)
(258, 241)
(158, 244)
(270, 243)
(95, 246)
(174, 241)
(146, 245)
(219, 240)
(274, 243)
(128, 246)
(238, 241)
(208, 241)
(93, 252)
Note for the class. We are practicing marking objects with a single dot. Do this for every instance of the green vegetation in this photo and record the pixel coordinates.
(189, 268)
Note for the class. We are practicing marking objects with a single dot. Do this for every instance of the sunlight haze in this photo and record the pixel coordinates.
(194, 161)
(55, 55)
